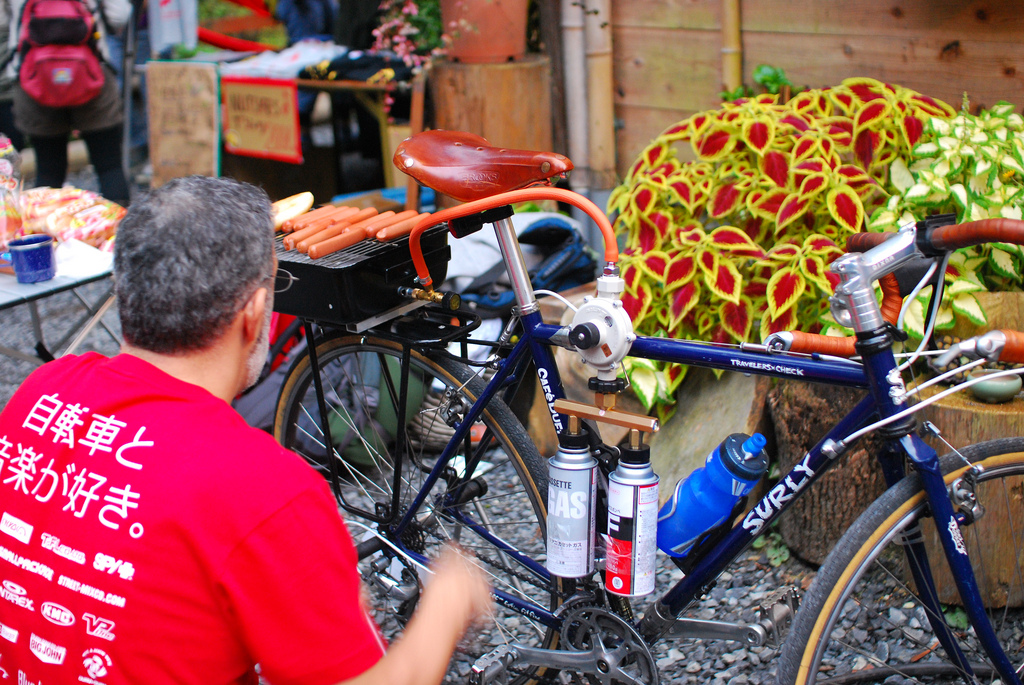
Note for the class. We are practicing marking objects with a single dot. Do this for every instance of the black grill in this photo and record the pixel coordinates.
(357, 283)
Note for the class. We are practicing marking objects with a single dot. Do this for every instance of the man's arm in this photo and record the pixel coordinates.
(454, 598)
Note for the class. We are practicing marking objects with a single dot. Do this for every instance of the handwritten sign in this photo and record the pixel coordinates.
(184, 120)
(261, 118)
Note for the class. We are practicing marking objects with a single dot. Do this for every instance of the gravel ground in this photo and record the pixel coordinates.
(735, 598)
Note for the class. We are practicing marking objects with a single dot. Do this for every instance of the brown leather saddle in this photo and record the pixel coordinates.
(466, 167)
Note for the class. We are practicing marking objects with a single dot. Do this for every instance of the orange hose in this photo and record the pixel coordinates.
(611, 248)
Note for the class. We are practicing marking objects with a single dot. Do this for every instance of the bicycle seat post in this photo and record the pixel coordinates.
(515, 264)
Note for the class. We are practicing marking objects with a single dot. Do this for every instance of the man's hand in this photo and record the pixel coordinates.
(460, 585)
(455, 596)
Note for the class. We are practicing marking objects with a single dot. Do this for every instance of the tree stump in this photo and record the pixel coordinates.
(815, 521)
(509, 104)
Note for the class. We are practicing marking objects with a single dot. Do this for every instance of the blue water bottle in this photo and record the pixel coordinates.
(703, 499)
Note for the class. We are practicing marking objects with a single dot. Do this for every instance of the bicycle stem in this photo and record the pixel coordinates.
(854, 304)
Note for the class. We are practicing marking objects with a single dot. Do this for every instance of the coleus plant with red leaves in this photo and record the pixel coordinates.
(735, 244)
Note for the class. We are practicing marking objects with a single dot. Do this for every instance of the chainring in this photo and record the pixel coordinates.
(623, 656)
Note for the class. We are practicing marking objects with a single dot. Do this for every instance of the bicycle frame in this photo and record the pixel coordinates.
(878, 373)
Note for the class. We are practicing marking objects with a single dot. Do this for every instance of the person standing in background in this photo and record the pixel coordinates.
(7, 104)
(98, 122)
(138, 137)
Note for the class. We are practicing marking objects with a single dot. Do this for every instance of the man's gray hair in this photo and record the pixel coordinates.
(187, 257)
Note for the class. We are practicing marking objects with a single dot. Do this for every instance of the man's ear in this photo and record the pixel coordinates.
(253, 315)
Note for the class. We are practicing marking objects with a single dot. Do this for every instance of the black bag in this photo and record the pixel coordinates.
(566, 262)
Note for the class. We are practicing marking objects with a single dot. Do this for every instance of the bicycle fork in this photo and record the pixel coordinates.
(927, 462)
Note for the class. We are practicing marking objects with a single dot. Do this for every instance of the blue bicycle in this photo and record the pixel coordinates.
(417, 419)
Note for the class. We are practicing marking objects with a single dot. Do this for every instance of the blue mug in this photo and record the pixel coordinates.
(32, 258)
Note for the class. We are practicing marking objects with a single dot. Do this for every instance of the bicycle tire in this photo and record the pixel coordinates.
(860, 622)
(359, 399)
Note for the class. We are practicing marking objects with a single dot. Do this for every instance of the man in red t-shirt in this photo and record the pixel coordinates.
(147, 534)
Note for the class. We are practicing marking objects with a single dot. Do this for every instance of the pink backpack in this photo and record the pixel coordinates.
(60, 62)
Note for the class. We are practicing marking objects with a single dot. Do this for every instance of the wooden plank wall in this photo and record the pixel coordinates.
(668, 61)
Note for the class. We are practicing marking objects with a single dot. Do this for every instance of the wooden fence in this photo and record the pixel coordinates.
(667, 53)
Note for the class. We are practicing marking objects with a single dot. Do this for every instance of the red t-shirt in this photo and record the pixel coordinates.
(148, 535)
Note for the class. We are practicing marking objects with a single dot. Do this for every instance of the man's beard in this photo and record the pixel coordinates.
(258, 356)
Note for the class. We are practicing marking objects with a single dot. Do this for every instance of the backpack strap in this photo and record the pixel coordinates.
(103, 15)
(106, 28)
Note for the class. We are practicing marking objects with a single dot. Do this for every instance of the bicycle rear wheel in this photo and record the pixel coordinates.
(361, 381)
(861, 620)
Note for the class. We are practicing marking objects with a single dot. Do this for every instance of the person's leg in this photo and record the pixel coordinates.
(7, 124)
(104, 148)
(51, 160)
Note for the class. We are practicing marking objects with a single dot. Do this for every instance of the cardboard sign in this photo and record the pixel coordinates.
(261, 118)
(184, 120)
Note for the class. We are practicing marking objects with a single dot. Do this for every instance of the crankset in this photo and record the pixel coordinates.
(599, 646)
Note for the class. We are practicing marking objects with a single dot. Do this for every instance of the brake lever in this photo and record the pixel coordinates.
(990, 346)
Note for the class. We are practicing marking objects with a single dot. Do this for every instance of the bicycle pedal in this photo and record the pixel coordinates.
(493, 666)
(776, 613)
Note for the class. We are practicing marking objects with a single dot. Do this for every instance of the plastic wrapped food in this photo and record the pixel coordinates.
(71, 214)
(10, 187)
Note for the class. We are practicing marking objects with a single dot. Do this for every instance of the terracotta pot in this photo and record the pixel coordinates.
(484, 31)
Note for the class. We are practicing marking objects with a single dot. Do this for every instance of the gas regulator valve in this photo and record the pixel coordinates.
(601, 331)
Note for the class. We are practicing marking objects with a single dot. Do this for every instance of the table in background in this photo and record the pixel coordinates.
(14, 294)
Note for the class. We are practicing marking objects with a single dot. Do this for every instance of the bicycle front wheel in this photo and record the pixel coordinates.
(862, 619)
(362, 388)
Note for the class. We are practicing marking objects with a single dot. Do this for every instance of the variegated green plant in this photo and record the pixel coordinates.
(973, 166)
(735, 244)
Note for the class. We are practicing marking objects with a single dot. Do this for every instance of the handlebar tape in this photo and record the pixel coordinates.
(951, 237)
(892, 302)
(809, 343)
(862, 242)
(1013, 351)
(955, 236)
(611, 248)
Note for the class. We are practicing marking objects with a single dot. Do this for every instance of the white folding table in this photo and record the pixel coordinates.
(77, 265)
